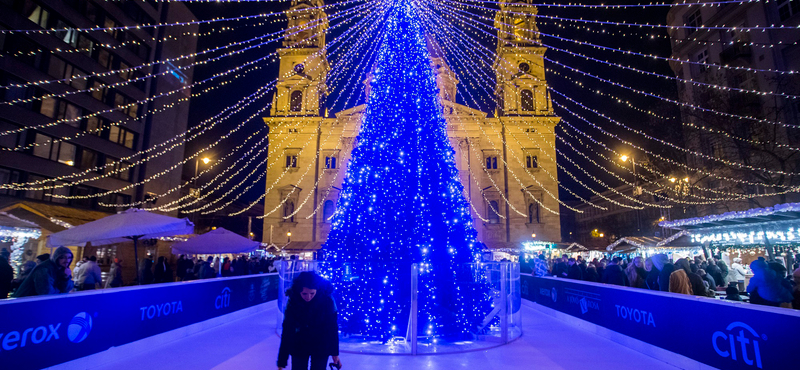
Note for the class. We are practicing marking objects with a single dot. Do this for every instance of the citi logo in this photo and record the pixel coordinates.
(725, 343)
(78, 329)
(224, 299)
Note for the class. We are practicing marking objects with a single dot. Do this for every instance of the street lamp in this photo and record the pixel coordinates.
(288, 237)
(533, 236)
(625, 158)
(205, 160)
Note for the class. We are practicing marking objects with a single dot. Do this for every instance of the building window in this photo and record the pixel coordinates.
(788, 8)
(62, 191)
(60, 69)
(494, 215)
(288, 211)
(693, 20)
(34, 194)
(118, 169)
(533, 213)
(296, 101)
(291, 161)
(88, 159)
(94, 125)
(126, 105)
(702, 59)
(491, 163)
(100, 92)
(327, 211)
(526, 100)
(122, 136)
(39, 16)
(531, 161)
(330, 163)
(62, 152)
(9, 177)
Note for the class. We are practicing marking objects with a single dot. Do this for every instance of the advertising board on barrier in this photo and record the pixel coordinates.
(45, 331)
(724, 335)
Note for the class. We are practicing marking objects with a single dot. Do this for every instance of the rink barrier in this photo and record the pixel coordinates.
(39, 332)
(717, 333)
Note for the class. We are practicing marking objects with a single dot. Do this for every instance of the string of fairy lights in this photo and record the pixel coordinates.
(176, 144)
(462, 29)
(527, 132)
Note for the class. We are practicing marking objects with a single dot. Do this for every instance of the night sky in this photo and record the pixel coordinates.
(643, 40)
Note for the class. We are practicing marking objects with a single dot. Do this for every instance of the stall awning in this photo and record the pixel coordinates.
(750, 217)
(50, 217)
(302, 246)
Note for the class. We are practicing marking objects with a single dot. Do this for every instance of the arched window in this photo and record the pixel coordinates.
(533, 213)
(494, 216)
(296, 101)
(327, 210)
(288, 209)
(526, 100)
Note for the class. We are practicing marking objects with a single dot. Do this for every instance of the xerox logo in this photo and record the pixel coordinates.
(724, 343)
(77, 330)
(224, 299)
(79, 327)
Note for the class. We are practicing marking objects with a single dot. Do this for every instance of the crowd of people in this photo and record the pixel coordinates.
(770, 284)
(51, 273)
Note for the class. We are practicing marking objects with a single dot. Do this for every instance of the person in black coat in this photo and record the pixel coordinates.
(560, 268)
(591, 274)
(613, 273)
(574, 271)
(6, 275)
(310, 330)
(716, 275)
(663, 276)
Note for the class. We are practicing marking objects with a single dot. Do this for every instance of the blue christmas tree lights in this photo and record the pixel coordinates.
(402, 203)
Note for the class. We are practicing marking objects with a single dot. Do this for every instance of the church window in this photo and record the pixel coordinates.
(491, 163)
(330, 162)
(288, 211)
(494, 215)
(531, 161)
(296, 101)
(526, 100)
(327, 211)
(533, 213)
(291, 161)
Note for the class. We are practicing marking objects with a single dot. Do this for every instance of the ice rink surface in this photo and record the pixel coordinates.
(251, 343)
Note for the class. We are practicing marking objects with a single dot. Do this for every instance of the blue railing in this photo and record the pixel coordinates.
(722, 334)
(38, 332)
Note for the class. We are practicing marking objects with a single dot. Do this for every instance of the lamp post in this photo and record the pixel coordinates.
(625, 158)
(197, 161)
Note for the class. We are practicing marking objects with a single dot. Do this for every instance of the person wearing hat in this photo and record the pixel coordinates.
(52, 276)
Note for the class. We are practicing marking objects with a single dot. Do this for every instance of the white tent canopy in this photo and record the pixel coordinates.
(133, 224)
(217, 241)
(122, 227)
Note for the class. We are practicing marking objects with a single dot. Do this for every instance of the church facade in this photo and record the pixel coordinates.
(507, 159)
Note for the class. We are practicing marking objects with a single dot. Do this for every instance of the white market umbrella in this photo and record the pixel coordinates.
(217, 241)
(132, 224)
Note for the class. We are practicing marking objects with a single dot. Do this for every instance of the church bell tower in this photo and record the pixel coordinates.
(521, 86)
(301, 87)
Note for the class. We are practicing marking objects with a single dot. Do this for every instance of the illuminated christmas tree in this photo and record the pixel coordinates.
(403, 203)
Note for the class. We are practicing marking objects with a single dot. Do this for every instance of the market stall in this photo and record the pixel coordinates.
(674, 246)
(770, 232)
